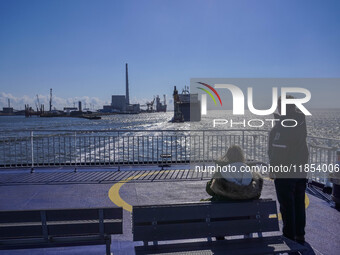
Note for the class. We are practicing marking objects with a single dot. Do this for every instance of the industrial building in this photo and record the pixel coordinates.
(121, 103)
(68, 110)
(9, 109)
(118, 103)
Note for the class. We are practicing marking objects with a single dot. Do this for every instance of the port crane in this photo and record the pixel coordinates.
(149, 106)
(40, 107)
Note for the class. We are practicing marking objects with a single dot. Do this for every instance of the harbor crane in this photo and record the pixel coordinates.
(149, 106)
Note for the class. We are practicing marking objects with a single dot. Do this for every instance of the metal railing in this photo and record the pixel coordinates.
(322, 153)
(131, 147)
(119, 147)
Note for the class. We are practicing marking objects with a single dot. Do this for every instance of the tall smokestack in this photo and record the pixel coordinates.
(127, 84)
(79, 106)
(50, 99)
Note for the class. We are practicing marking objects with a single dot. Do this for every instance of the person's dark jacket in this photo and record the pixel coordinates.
(287, 145)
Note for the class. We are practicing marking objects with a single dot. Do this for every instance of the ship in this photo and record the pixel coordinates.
(160, 107)
(187, 107)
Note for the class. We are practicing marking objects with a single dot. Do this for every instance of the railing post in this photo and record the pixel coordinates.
(162, 143)
(328, 185)
(203, 147)
(32, 153)
(254, 147)
(75, 151)
(123, 159)
(118, 161)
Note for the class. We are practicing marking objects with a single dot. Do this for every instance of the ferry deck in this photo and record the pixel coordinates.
(115, 168)
(98, 187)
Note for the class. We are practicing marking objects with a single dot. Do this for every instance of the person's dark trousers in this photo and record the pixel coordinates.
(291, 196)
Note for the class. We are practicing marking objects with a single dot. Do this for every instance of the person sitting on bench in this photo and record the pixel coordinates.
(232, 182)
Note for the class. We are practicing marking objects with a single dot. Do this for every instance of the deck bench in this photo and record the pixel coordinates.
(177, 223)
(58, 228)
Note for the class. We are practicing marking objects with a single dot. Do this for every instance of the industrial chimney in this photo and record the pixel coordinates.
(127, 99)
(50, 100)
(79, 106)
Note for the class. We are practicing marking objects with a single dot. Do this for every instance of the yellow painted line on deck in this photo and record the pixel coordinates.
(114, 190)
(117, 199)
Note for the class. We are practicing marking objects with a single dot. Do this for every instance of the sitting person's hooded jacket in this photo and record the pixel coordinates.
(234, 185)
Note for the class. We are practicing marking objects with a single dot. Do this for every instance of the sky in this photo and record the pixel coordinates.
(80, 47)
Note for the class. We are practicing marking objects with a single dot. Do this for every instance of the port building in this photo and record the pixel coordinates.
(121, 103)
(118, 103)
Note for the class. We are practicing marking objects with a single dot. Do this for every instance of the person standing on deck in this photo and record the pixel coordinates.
(288, 147)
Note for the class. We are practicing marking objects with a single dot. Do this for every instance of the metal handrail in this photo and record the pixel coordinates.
(132, 130)
(135, 146)
(151, 130)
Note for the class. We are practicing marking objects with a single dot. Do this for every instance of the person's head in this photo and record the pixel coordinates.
(234, 154)
(290, 108)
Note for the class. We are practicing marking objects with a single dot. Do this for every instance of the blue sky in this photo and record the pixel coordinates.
(79, 48)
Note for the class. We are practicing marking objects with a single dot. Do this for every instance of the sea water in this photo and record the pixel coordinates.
(322, 123)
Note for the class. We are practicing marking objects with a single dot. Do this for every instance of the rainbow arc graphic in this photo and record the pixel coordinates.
(209, 93)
